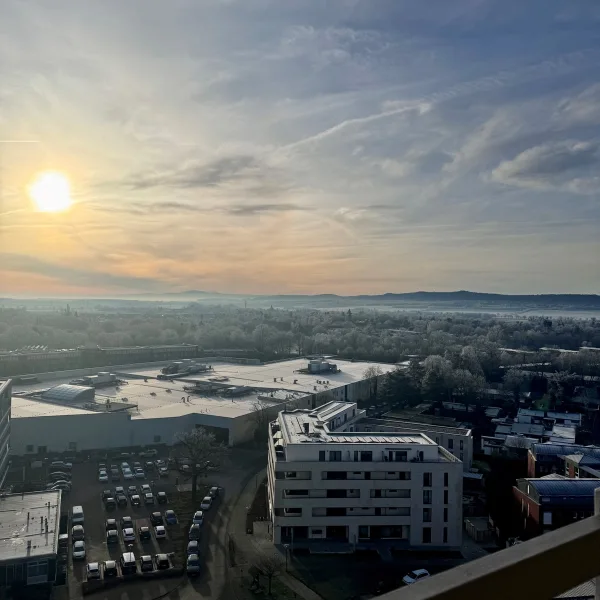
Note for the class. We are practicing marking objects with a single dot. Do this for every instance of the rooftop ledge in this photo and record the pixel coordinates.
(539, 569)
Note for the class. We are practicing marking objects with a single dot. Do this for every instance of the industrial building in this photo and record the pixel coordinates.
(331, 484)
(5, 404)
(143, 406)
(29, 538)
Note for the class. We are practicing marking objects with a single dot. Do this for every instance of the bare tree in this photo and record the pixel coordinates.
(261, 411)
(200, 448)
(269, 565)
(371, 375)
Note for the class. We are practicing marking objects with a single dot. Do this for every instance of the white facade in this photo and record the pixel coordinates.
(329, 480)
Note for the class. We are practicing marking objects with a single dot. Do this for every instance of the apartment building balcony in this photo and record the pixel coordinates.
(539, 569)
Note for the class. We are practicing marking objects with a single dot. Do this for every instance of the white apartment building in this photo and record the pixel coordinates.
(330, 481)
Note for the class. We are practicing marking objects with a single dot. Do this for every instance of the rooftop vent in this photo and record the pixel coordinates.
(306, 428)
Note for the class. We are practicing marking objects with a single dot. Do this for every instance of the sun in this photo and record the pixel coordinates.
(51, 192)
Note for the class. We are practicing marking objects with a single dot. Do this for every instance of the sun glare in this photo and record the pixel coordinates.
(51, 192)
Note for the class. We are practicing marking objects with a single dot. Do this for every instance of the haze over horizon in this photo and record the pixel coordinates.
(355, 147)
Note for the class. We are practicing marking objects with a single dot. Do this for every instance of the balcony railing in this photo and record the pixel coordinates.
(539, 569)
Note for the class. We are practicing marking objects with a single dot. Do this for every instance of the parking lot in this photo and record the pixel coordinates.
(87, 492)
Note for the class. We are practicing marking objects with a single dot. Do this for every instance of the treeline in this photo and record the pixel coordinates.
(366, 335)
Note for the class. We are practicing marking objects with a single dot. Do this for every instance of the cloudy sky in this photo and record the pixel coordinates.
(302, 146)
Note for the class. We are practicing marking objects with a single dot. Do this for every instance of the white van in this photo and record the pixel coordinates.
(77, 515)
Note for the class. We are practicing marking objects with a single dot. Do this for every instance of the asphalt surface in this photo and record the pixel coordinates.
(213, 581)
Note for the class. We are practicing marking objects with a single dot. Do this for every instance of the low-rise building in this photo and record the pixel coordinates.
(5, 404)
(544, 459)
(553, 501)
(29, 538)
(329, 480)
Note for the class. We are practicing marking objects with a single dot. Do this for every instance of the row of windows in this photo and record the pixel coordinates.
(428, 496)
(428, 513)
(349, 493)
(363, 456)
(426, 538)
(343, 511)
(340, 475)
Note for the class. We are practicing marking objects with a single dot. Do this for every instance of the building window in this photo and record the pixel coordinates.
(427, 535)
(292, 512)
(445, 496)
(450, 444)
(375, 493)
(445, 538)
(445, 479)
(461, 445)
(335, 456)
(427, 496)
(426, 515)
(398, 456)
(427, 478)
(335, 475)
(445, 515)
(290, 475)
(547, 518)
(156, 439)
(366, 456)
(295, 493)
(322, 455)
(404, 475)
(29, 448)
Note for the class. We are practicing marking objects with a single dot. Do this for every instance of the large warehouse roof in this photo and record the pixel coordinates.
(69, 393)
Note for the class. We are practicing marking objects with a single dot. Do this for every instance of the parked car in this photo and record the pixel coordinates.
(63, 543)
(136, 500)
(59, 476)
(139, 474)
(206, 503)
(121, 500)
(110, 569)
(63, 486)
(110, 503)
(102, 476)
(59, 465)
(148, 499)
(127, 475)
(161, 498)
(101, 466)
(112, 536)
(115, 475)
(149, 452)
(137, 465)
(193, 564)
(114, 467)
(128, 563)
(416, 575)
(192, 547)
(93, 570)
(106, 494)
(198, 518)
(146, 563)
(156, 518)
(132, 490)
(149, 465)
(128, 535)
(163, 472)
(126, 521)
(111, 524)
(144, 533)
(77, 533)
(145, 489)
(125, 466)
(160, 532)
(195, 532)
(170, 517)
(119, 490)
(162, 562)
(79, 550)
(213, 492)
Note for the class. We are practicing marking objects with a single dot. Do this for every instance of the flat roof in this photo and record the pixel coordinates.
(294, 433)
(23, 520)
(160, 398)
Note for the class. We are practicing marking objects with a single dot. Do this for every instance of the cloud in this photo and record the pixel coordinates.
(549, 164)
(76, 276)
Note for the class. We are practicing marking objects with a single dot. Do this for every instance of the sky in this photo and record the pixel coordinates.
(304, 146)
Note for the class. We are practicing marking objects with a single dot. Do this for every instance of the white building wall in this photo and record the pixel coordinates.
(361, 507)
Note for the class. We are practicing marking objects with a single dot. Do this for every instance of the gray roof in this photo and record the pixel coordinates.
(408, 425)
(23, 522)
(565, 487)
(584, 590)
(68, 393)
(557, 449)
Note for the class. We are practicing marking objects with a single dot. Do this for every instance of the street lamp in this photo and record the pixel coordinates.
(286, 548)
